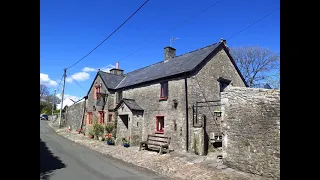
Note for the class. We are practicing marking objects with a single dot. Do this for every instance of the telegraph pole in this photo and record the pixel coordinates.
(54, 96)
(62, 94)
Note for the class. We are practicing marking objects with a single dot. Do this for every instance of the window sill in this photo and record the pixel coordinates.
(159, 132)
(163, 98)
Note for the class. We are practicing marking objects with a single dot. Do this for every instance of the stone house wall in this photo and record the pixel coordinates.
(204, 86)
(148, 97)
(91, 102)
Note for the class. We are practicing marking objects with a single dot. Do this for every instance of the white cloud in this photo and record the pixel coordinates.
(84, 75)
(44, 79)
(80, 76)
(88, 69)
(107, 68)
(67, 100)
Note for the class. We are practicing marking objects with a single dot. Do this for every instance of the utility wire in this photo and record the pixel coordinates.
(78, 83)
(110, 34)
(193, 16)
(252, 24)
(59, 84)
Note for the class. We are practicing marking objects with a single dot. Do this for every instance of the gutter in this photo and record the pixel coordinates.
(84, 110)
(187, 114)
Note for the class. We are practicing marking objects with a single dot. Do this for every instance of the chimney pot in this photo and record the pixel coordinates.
(169, 53)
(116, 70)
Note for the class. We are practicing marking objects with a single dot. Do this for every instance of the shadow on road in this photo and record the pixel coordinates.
(48, 161)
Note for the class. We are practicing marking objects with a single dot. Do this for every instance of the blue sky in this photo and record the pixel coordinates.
(69, 29)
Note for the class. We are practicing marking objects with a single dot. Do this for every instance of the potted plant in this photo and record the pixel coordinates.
(109, 128)
(109, 139)
(98, 130)
(126, 142)
(91, 135)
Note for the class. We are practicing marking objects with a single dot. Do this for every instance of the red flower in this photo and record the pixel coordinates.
(123, 139)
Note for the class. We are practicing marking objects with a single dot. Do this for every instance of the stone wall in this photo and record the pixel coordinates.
(74, 115)
(251, 125)
(54, 118)
(197, 142)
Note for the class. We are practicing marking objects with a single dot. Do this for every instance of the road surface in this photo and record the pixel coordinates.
(61, 159)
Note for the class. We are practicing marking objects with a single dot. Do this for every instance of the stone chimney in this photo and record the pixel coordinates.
(169, 53)
(116, 70)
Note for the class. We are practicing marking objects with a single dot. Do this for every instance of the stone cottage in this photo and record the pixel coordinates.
(165, 97)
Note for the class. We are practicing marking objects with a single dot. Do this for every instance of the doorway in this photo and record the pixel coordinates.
(125, 120)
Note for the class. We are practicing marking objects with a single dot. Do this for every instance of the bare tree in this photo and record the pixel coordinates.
(44, 91)
(258, 65)
(274, 80)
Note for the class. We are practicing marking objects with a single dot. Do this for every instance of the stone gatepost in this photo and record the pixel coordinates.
(198, 141)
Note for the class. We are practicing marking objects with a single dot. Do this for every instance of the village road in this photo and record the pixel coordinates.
(62, 159)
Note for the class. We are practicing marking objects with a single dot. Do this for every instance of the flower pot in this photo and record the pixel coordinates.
(91, 136)
(126, 145)
(110, 143)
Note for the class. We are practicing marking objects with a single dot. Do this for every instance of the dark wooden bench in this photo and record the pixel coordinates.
(155, 141)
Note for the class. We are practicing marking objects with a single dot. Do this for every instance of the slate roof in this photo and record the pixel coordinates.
(177, 65)
(110, 80)
(131, 103)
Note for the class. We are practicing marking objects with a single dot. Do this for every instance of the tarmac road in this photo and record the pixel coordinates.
(61, 159)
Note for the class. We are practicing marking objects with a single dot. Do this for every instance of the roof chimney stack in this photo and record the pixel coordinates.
(169, 53)
(116, 70)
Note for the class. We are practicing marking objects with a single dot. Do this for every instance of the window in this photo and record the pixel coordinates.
(89, 117)
(223, 83)
(125, 120)
(96, 91)
(101, 117)
(119, 97)
(160, 124)
(164, 90)
(110, 118)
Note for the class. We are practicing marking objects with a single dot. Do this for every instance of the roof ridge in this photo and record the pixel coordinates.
(111, 73)
(172, 58)
(120, 82)
(197, 49)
